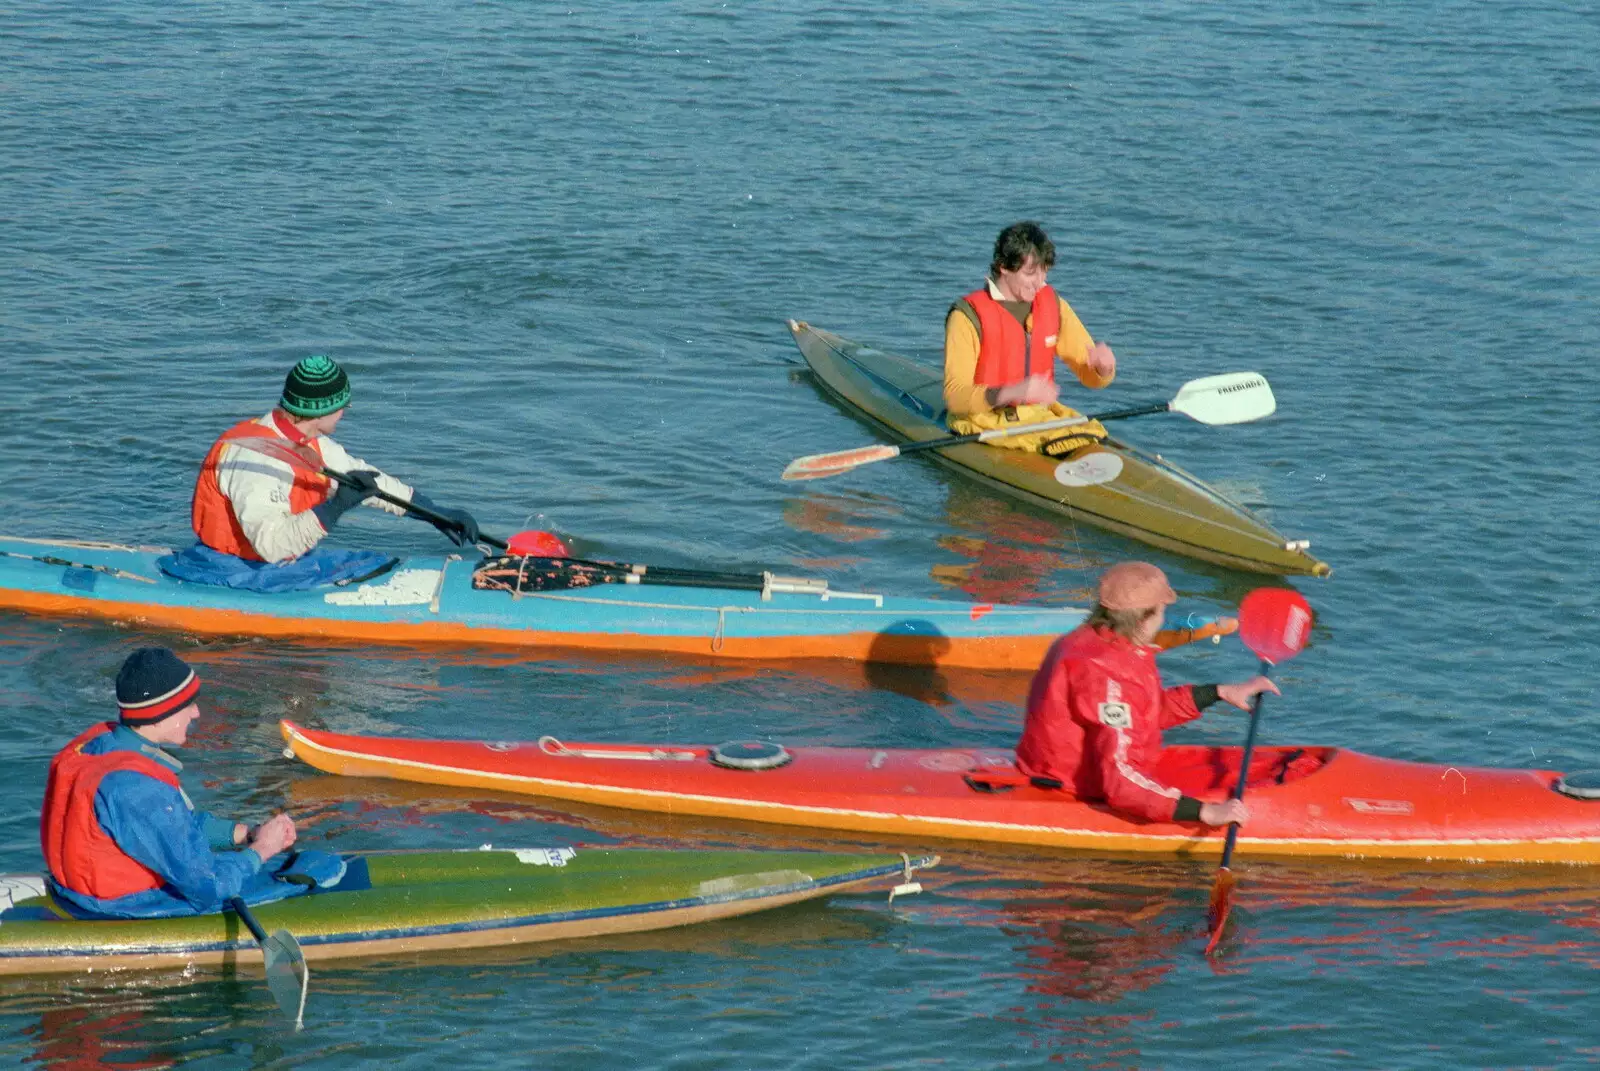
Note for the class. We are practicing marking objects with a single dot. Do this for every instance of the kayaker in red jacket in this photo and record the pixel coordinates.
(1096, 707)
(1001, 343)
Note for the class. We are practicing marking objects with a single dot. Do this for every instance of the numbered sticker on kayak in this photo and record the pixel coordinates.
(1089, 470)
(545, 856)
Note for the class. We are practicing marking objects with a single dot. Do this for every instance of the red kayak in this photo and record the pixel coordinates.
(1303, 801)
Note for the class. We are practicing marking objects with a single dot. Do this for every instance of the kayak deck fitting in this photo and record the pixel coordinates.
(1149, 499)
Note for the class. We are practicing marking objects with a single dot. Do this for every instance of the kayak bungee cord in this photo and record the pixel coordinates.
(50, 559)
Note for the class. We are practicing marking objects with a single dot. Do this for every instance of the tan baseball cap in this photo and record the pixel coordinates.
(1135, 586)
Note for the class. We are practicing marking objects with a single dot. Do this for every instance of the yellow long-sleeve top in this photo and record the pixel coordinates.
(963, 397)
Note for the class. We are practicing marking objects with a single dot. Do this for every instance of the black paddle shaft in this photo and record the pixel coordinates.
(1115, 414)
(548, 574)
(410, 507)
(249, 919)
(1244, 765)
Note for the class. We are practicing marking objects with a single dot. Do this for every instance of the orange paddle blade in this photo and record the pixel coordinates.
(1217, 913)
(817, 466)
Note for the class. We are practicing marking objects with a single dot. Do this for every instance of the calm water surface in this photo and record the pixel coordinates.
(556, 245)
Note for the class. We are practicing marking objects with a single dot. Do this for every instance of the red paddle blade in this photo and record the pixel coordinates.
(1217, 912)
(820, 466)
(1274, 623)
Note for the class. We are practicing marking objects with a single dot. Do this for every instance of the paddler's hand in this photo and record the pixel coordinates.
(1034, 390)
(346, 496)
(1102, 362)
(273, 836)
(458, 525)
(1225, 813)
(1239, 695)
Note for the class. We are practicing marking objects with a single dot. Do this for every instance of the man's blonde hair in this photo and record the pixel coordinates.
(1124, 623)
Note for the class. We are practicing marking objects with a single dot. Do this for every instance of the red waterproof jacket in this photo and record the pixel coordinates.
(1095, 714)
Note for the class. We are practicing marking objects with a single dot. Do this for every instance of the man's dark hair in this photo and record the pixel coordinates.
(1017, 243)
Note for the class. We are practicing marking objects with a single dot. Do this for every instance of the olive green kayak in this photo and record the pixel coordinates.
(1148, 499)
(406, 902)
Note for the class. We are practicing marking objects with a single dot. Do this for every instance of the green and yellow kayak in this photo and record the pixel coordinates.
(1149, 498)
(392, 903)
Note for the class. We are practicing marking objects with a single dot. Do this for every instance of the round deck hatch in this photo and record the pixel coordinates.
(752, 755)
(1580, 784)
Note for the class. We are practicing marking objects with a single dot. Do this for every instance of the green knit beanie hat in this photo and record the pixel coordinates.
(316, 387)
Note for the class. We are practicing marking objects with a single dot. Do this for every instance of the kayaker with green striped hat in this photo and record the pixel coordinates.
(261, 504)
(1002, 341)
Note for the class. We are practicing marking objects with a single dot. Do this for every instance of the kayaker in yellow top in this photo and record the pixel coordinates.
(1001, 343)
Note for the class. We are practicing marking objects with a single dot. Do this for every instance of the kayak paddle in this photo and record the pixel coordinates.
(287, 976)
(532, 573)
(1233, 398)
(268, 445)
(550, 572)
(1274, 623)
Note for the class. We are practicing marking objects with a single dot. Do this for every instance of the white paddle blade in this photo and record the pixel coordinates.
(1233, 398)
(287, 975)
(818, 466)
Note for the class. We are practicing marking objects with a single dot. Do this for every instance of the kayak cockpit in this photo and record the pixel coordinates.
(1204, 772)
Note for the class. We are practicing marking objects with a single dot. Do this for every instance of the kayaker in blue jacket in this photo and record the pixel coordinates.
(120, 835)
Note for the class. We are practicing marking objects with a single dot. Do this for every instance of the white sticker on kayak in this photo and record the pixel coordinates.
(15, 888)
(1089, 470)
(408, 587)
(1361, 806)
(545, 856)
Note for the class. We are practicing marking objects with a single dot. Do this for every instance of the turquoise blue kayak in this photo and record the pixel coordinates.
(431, 600)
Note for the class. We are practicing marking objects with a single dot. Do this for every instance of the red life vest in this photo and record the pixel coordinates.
(81, 855)
(212, 514)
(1008, 354)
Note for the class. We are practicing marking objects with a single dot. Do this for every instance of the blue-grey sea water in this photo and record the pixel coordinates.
(556, 246)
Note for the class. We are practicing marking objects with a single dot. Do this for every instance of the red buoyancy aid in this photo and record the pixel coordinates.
(212, 514)
(81, 855)
(1008, 354)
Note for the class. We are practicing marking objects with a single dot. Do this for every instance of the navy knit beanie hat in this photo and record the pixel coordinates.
(315, 387)
(153, 684)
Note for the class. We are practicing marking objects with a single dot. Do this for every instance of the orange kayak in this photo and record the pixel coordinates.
(1315, 801)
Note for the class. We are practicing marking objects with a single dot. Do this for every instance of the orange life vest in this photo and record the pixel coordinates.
(212, 515)
(81, 855)
(1008, 354)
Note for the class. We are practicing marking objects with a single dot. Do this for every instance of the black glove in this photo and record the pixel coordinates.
(346, 497)
(457, 524)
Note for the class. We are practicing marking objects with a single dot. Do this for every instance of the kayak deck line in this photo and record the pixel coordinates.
(1571, 850)
(973, 652)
